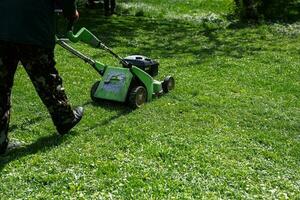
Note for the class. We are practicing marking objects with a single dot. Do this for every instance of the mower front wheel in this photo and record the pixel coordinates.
(137, 97)
(168, 84)
(93, 91)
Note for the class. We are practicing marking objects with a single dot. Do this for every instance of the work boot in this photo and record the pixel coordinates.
(65, 128)
(8, 147)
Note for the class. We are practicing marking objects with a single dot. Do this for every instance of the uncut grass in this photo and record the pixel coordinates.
(192, 10)
(174, 8)
(230, 129)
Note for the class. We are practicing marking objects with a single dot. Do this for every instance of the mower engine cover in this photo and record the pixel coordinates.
(146, 64)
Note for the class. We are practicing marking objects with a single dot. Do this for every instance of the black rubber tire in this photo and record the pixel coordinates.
(137, 97)
(93, 90)
(168, 84)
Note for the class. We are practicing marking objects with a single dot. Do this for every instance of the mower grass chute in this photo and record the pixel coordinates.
(132, 82)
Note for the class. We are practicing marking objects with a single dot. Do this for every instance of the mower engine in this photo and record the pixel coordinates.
(144, 63)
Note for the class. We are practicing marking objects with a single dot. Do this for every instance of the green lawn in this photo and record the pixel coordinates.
(230, 129)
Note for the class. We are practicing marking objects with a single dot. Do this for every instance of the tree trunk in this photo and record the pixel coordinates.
(247, 9)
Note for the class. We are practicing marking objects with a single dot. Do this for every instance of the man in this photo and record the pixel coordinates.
(27, 35)
(109, 7)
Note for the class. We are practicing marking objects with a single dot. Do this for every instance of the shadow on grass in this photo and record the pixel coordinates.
(111, 106)
(25, 124)
(43, 144)
(46, 143)
(161, 38)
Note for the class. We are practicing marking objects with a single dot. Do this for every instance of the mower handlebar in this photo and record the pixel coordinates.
(70, 25)
(87, 37)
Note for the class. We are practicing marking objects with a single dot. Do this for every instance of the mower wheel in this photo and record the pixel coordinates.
(137, 97)
(93, 90)
(168, 84)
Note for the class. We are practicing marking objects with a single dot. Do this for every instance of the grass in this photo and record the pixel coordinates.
(176, 9)
(230, 129)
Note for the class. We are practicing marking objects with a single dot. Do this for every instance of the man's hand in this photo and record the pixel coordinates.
(75, 17)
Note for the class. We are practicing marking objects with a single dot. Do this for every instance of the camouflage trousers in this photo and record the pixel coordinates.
(109, 6)
(40, 66)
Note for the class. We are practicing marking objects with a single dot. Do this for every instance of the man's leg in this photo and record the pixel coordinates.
(8, 66)
(40, 66)
(112, 6)
(106, 7)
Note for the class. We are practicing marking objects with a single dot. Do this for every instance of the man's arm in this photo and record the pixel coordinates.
(69, 9)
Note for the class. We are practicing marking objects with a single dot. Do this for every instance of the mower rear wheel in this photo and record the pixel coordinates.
(168, 84)
(93, 91)
(137, 97)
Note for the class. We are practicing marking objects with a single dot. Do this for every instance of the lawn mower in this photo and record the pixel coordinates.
(132, 82)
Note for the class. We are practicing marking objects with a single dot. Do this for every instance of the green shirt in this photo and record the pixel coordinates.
(31, 21)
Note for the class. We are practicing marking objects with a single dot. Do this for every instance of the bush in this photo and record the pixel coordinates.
(267, 9)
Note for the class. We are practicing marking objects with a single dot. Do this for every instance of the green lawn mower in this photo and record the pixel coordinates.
(132, 82)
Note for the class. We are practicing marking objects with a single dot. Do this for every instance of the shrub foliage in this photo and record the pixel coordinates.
(268, 9)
